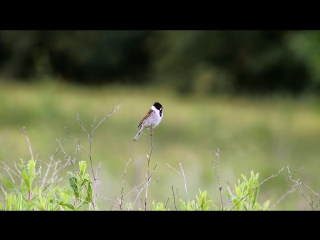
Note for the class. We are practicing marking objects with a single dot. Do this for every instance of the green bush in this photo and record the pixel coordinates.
(30, 196)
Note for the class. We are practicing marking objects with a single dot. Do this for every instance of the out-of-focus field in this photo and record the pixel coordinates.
(263, 135)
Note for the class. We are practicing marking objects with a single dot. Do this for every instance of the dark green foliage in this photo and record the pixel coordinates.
(82, 56)
(201, 62)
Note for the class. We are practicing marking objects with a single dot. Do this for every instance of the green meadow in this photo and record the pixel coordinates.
(263, 134)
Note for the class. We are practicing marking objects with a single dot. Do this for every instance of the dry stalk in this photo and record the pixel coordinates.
(148, 177)
(217, 170)
(174, 198)
(124, 174)
(298, 182)
(184, 178)
(24, 132)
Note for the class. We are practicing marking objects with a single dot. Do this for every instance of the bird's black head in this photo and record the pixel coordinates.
(157, 106)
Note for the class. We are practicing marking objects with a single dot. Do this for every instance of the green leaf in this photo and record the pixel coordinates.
(158, 206)
(202, 200)
(40, 207)
(10, 201)
(244, 177)
(84, 181)
(86, 176)
(239, 191)
(266, 205)
(19, 203)
(35, 190)
(82, 167)
(40, 198)
(51, 192)
(183, 205)
(74, 186)
(26, 180)
(68, 205)
(46, 187)
(9, 185)
(89, 193)
(31, 166)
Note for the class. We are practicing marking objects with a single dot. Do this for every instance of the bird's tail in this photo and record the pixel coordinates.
(138, 135)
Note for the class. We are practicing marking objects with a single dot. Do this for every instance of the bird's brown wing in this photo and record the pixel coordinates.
(145, 117)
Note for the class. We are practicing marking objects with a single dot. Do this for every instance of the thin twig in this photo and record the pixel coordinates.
(184, 177)
(139, 192)
(95, 185)
(24, 132)
(148, 171)
(146, 184)
(174, 198)
(178, 194)
(185, 181)
(217, 170)
(112, 112)
(298, 182)
(119, 201)
(133, 190)
(8, 170)
(292, 190)
(69, 160)
(124, 174)
(49, 165)
(174, 169)
(165, 206)
(272, 176)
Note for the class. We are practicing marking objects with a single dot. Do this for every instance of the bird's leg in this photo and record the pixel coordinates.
(151, 131)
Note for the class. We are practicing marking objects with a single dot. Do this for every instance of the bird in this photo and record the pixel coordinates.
(152, 118)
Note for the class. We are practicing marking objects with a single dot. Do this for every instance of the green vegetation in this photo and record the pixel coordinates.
(78, 195)
(264, 135)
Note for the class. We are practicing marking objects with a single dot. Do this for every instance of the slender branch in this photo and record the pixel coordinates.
(8, 170)
(124, 174)
(178, 193)
(70, 160)
(298, 182)
(174, 198)
(165, 206)
(174, 169)
(292, 190)
(24, 132)
(146, 184)
(119, 200)
(217, 170)
(133, 190)
(112, 112)
(49, 165)
(185, 181)
(184, 177)
(95, 185)
(148, 171)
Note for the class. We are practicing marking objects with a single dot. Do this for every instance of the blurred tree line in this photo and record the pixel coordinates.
(190, 61)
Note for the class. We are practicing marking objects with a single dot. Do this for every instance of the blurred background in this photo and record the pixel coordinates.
(252, 94)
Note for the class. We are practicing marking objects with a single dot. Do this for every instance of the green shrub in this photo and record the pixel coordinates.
(30, 196)
(246, 194)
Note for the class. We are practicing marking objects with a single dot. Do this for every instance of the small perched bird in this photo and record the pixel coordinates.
(152, 118)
